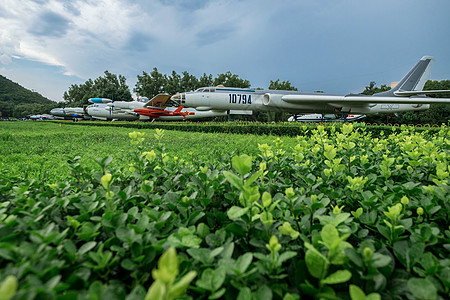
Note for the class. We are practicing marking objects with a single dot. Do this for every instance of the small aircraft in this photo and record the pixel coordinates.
(177, 113)
(325, 118)
(68, 112)
(407, 95)
(41, 117)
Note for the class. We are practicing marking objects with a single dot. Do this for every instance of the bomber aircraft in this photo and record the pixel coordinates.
(407, 95)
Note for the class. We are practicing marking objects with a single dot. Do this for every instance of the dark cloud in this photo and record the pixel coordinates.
(49, 23)
(71, 8)
(187, 4)
(214, 35)
(139, 42)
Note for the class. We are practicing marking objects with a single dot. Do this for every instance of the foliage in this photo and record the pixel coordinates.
(17, 101)
(284, 85)
(339, 214)
(150, 85)
(373, 89)
(109, 86)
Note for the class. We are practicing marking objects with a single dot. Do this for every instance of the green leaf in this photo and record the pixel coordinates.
(316, 263)
(167, 267)
(329, 235)
(243, 262)
(157, 291)
(86, 247)
(356, 293)
(242, 164)
(234, 180)
(236, 212)
(244, 294)
(266, 199)
(422, 288)
(180, 287)
(211, 280)
(337, 277)
(8, 287)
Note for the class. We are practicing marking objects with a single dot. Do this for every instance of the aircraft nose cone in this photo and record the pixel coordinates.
(179, 98)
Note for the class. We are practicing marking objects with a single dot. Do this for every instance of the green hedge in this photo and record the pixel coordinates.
(257, 128)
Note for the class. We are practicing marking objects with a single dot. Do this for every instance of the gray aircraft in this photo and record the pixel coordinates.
(407, 95)
(68, 112)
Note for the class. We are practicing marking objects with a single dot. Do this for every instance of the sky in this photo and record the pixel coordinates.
(336, 46)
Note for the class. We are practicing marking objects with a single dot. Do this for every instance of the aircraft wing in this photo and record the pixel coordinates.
(159, 100)
(412, 93)
(359, 100)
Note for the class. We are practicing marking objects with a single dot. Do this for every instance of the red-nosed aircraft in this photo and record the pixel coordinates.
(156, 113)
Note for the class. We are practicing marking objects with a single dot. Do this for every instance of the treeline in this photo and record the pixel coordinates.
(17, 101)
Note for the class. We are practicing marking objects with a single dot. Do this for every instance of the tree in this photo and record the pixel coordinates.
(150, 85)
(110, 86)
(373, 89)
(231, 80)
(205, 80)
(173, 84)
(284, 85)
(188, 82)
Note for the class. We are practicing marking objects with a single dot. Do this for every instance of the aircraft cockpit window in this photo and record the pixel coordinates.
(199, 90)
(206, 91)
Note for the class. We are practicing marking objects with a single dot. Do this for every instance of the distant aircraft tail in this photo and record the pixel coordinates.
(412, 84)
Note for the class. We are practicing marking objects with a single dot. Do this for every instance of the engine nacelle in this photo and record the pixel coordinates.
(99, 100)
(273, 100)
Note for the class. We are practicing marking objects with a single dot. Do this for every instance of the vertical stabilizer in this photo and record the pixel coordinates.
(415, 79)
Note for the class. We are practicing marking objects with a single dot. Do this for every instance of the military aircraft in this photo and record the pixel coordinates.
(107, 109)
(68, 112)
(407, 95)
(177, 113)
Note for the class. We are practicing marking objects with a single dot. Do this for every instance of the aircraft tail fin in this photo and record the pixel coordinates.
(414, 81)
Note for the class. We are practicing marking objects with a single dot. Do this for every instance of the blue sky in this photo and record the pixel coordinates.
(337, 46)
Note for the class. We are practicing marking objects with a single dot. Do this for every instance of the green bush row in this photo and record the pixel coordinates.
(278, 129)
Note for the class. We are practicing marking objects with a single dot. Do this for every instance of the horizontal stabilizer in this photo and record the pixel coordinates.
(412, 93)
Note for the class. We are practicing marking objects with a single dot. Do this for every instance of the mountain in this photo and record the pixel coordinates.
(14, 93)
(17, 101)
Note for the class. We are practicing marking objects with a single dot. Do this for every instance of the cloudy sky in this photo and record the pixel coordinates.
(337, 46)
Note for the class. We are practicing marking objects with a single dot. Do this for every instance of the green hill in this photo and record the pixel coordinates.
(17, 101)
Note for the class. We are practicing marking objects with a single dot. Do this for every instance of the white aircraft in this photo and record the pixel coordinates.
(325, 118)
(107, 109)
(68, 112)
(407, 95)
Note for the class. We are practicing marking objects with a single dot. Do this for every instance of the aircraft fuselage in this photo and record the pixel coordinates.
(224, 98)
